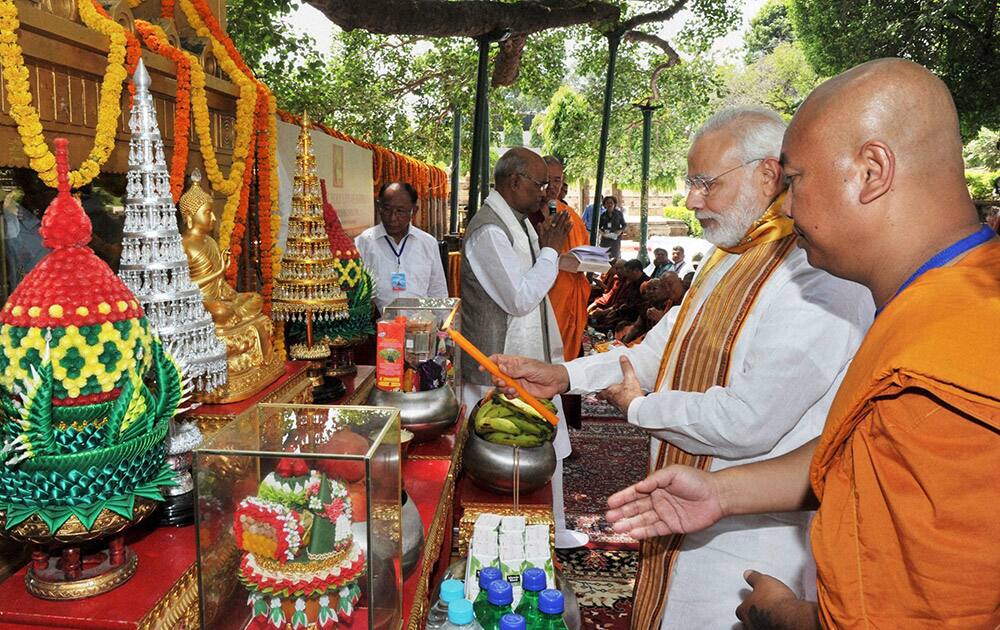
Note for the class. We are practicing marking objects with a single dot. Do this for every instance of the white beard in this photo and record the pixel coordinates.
(732, 224)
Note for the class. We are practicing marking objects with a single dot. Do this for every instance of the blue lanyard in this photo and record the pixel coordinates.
(402, 246)
(941, 258)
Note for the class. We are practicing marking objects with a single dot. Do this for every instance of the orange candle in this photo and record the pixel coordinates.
(494, 369)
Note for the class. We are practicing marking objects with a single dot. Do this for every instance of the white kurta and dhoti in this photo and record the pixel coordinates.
(772, 370)
(516, 275)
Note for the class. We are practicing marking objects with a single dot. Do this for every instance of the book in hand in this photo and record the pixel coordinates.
(586, 259)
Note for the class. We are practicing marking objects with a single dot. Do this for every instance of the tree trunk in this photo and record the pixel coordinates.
(462, 18)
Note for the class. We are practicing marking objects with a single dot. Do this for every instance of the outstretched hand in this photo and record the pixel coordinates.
(540, 379)
(673, 500)
(622, 394)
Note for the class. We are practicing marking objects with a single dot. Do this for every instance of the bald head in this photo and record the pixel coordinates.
(874, 159)
(520, 175)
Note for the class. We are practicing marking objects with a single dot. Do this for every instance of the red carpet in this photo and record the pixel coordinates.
(609, 454)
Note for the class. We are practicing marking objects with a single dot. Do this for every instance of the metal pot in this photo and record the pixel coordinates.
(413, 536)
(491, 466)
(426, 414)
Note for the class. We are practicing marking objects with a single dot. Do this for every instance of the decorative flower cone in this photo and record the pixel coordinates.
(155, 268)
(307, 289)
(82, 432)
(343, 335)
(153, 263)
(300, 563)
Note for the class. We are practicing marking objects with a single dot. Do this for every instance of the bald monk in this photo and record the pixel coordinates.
(907, 470)
(571, 291)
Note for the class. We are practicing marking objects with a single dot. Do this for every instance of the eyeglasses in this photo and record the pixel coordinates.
(399, 212)
(541, 185)
(704, 184)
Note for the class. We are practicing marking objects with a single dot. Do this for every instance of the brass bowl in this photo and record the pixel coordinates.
(491, 466)
(425, 414)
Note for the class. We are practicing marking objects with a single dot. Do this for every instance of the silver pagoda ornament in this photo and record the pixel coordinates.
(153, 263)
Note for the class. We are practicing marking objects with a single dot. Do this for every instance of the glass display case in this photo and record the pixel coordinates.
(438, 312)
(298, 520)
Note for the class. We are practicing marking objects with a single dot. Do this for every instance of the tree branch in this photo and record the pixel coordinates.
(462, 18)
(655, 16)
(409, 86)
(662, 44)
(507, 64)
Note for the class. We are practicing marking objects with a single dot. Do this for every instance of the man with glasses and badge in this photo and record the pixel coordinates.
(403, 259)
(745, 368)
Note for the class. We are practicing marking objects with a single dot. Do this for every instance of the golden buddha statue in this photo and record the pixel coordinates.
(239, 319)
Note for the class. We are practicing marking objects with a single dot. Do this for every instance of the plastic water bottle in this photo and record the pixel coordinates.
(533, 581)
(460, 616)
(550, 604)
(486, 577)
(451, 590)
(512, 621)
(499, 595)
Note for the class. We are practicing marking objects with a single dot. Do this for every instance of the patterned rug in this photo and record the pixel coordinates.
(602, 581)
(594, 408)
(607, 456)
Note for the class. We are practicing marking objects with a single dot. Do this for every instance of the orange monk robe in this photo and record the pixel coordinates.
(908, 467)
(571, 291)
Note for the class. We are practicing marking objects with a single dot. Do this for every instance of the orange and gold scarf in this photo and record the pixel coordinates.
(703, 360)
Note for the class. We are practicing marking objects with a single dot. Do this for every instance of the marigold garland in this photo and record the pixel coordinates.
(246, 106)
(157, 41)
(133, 50)
(29, 125)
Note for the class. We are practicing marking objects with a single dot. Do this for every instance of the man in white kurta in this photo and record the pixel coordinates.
(403, 259)
(798, 330)
(507, 271)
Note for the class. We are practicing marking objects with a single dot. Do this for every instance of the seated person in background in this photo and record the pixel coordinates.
(404, 261)
(629, 294)
(661, 294)
(607, 285)
(661, 263)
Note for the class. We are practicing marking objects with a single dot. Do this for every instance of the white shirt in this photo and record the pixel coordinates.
(680, 268)
(519, 289)
(419, 259)
(787, 364)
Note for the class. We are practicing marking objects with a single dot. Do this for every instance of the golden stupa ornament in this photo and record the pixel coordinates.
(239, 318)
(308, 287)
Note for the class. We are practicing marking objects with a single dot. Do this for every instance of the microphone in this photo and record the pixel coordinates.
(553, 206)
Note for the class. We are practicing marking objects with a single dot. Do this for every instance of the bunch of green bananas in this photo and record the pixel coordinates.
(512, 422)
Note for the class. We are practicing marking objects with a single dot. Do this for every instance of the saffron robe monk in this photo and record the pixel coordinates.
(906, 535)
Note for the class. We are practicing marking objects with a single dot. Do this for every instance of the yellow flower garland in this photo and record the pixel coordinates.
(29, 125)
(245, 107)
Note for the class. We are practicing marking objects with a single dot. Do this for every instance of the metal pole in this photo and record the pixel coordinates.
(456, 154)
(477, 127)
(647, 128)
(484, 172)
(614, 39)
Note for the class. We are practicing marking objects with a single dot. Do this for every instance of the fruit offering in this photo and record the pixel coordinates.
(512, 422)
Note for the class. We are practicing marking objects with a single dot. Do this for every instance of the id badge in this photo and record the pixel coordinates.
(398, 280)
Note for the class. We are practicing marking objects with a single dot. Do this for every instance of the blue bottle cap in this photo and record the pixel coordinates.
(488, 575)
(500, 593)
(452, 590)
(460, 612)
(550, 602)
(534, 579)
(512, 622)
